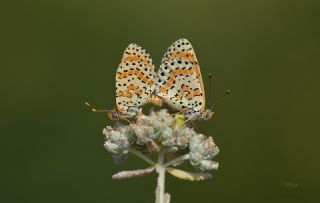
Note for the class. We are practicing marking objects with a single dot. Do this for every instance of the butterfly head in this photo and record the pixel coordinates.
(113, 115)
(207, 114)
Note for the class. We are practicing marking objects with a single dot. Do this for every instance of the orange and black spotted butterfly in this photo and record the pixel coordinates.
(135, 83)
(178, 82)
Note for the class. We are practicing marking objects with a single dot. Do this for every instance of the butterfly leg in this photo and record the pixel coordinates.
(124, 118)
(182, 111)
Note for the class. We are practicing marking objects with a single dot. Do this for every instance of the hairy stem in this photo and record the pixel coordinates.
(142, 156)
(176, 160)
(160, 197)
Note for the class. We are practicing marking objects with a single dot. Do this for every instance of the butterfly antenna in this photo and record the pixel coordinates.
(95, 109)
(210, 76)
(226, 93)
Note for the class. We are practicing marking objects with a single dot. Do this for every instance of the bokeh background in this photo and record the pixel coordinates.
(57, 54)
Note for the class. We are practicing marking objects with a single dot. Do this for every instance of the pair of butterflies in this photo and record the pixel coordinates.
(178, 83)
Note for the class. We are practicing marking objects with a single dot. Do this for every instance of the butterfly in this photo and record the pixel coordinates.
(178, 82)
(135, 83)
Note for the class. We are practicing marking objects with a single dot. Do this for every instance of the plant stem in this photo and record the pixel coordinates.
(176, 160)
(160, 197)
(142, 156)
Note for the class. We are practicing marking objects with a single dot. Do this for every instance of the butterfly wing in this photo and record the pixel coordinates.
(135, 80)
(179, 81)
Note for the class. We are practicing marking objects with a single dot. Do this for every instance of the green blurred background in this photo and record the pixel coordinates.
(55, 55)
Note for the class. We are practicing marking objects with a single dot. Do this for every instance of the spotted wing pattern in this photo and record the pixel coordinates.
(135, 80)
(179, 81)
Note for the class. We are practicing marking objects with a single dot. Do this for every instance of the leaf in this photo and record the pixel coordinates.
(167, 198)
(135, 173)
(188, 175)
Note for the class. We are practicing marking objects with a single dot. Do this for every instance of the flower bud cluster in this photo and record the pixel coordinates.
(162, 131)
